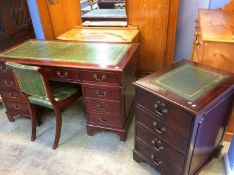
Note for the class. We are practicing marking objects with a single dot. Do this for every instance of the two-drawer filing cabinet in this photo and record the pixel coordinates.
(181, 116)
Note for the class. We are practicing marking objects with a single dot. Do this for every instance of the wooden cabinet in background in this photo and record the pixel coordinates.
(15, 23)
(214, 45)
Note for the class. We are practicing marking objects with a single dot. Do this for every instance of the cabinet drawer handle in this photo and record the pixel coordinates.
(99, 79)
(158, 129)
(160, 108)
(8, 83)
(62, 75)
(157, 144)
(3, 69)
(102, 106)
(17, 107)
(13, 95)
(103, 120)
(101, 94)
(156, 162)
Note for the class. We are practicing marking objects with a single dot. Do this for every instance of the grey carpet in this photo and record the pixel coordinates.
(77, 154)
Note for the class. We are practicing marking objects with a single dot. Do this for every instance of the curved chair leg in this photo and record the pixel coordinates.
(33, 121)
(58, 116)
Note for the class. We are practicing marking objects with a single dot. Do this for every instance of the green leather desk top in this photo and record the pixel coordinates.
(85, 53)
(188, 81)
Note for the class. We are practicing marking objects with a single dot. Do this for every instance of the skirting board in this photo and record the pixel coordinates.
(227, 165)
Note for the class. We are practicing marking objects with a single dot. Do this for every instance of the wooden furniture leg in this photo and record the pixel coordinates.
(58, 127)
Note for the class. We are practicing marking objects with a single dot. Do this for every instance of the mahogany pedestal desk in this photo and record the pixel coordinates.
(104, 70)
(181, 115)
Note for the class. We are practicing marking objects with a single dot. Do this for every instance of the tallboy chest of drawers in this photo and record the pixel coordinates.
(181, 116)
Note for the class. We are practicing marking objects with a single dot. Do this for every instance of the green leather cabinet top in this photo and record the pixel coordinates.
(189, 81)
(189, 85)
(73, 52)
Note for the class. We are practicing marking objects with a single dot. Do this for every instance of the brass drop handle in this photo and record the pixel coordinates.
(62, 75)
(17, 107)
(197, 38)
(3, 69)
(52, 2)
(158, 129)
(160, 108)
(103, 120)
(13, 95)
(101, 94)
(102, 106)
(156, 162)
(157, 144)
(103, 77)
(7, 83)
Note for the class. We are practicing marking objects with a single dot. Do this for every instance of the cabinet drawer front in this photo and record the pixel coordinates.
(164, 150)
(14, 96)
(101, 77)
(165, 111)
(103, 106)
(108, 93)
(8, 84)
(155, 160)
(16, 107)
(103, 119)
(62, 74)
(161, 130)
(4, 71)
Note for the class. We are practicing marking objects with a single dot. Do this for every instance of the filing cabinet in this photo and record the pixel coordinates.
(181, 116)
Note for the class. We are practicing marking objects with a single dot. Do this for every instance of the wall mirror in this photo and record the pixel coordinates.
(103, 13)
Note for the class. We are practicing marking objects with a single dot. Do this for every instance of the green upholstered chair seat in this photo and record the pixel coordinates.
(60, 91)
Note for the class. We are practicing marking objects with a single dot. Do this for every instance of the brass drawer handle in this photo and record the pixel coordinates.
(101, 94)
(52, 2)
(7, 83)
(102, 106)
(103, 120)
(158, 129)
(160, 108)
(62, 75)
(156, 162)
(197, 38)
(17, 107)
(157, 144)
(3, 69)
(99, 79)
(13, 95)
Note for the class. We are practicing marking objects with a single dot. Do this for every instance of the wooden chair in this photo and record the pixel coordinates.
(39, 91)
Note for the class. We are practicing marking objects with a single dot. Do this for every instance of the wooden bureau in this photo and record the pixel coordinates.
(104, 70)
(181, 116)
(214, 45)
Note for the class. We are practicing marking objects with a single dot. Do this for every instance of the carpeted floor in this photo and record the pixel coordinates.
(77, 154)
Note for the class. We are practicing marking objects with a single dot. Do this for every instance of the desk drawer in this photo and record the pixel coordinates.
(8, 84)
(164, 150)
(103, 106)
(4, 71)
(16, 107)
(14, 96)
(103, 119)
(165, 111)
(102, 92)
(101, 77)
(62, 74)
(152, 157)
(165, 132)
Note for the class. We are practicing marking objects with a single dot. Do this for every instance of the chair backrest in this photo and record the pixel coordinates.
(29, 79)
